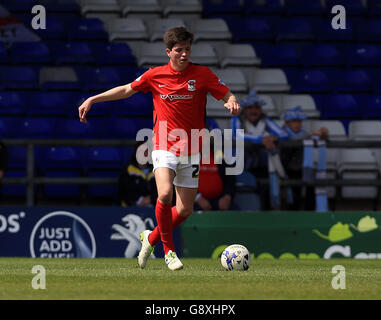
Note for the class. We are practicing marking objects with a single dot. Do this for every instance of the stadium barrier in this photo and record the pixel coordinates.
(30, 181)
(284, 235)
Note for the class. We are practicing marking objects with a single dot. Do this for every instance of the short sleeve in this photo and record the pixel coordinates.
(215, 86)
(142, 83)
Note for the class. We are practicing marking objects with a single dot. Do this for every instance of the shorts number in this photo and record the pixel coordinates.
(196, 170)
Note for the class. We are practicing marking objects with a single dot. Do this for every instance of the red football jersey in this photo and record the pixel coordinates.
(179, 100)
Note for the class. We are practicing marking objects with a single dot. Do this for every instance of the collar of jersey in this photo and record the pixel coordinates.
(178, 72)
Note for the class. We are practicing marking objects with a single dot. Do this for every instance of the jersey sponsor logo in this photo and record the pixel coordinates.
(162, 85)
(172, 97)
(192, 85)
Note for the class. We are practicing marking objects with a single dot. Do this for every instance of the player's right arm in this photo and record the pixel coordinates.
(116, 93)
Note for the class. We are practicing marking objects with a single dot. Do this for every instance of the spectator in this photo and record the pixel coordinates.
(292, 158)
(137, 183)
(260, 135)
(216, 189)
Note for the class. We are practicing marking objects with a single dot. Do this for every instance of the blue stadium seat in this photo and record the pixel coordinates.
(55, 30)
(128, 74)
(99, 79)
(72, 129)
(112, 53)
(16, 156)
(125, 128)
(292, 29)
(53, 104)
(353, 80)
(374, 7)
(61, 6)
(368, 30)
(308, 7)
(322, 55)
(19, 5)
(269, 6)
(216, 8)
(10, 126)
(341, 106)
(11, 103)
(324, 32)
(363, 55)
(352, 7)
(10, 190)
(18, 77)
(38, 128)
(140, 104)
(309, 80)
(250, 29)
(4, 58)
(101, 127)
(370, 105)
(71, 52)
(279, 55)
(29, 52)
(87, 29)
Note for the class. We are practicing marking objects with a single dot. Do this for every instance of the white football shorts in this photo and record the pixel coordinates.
(187, 168)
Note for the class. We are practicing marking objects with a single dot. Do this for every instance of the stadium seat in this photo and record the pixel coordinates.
(4, 58)
(10, 190)
(20, 5)
(214, 8)
(9, 126)
(248, 199)
(124, 128)
(126, 29)
(55, 30)
(171, 7)
(37, 128)
(363, 55)
(73, 129)
(270, 108)
(157, 27)
(87, 29)
(71, 53)
(352, 7)
(101, 109)
(112, 53)
(90, 6)
(19, 77)
(99, 79)
(11, 103)
(371, 106)
(143, 6)
(305, 101)
(368, 30)
(310, 7)
(279, 55)
(210, 29)
(233, 78)
(309, 81)
(128, 74)
(364, 130)
(374, 7)
(29, 52)
(250, 29)
(322, 55)
(215, 108)
(335, 128)
(204, 53)
(267, 7)
(269, 80)
(324, 31)
(230, 55)
(353, 81)
(61, 6)
(61, 78)
(354, 164)
(292, 29)
(340, 106)
(48, 104)
(101, 127)
(151, 54)
(140, 104)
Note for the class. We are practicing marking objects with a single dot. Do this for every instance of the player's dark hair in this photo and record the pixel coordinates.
(177, 35)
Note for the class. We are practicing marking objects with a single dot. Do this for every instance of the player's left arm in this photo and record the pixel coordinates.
(232, 104)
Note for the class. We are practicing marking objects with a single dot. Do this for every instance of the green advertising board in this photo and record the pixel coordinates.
(284, 235)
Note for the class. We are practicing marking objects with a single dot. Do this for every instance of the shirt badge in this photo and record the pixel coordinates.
(191, 85)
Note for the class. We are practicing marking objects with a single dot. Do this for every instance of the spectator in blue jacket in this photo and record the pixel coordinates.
(260, 135)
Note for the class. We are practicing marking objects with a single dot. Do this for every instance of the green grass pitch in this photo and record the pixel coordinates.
(112, 278)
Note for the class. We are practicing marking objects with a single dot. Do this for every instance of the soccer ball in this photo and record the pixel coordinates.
(235, 257)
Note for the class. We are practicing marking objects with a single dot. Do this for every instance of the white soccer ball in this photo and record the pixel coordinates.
(235, 257)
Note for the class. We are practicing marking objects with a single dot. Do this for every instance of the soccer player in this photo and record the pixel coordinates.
(179, 91)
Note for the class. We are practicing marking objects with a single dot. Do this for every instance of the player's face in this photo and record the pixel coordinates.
(179, 55)
(295, 125)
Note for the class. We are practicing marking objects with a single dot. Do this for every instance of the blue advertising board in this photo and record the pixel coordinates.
(76, 232)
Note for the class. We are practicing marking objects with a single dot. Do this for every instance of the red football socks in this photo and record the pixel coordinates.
(154, 236)
(164, 222)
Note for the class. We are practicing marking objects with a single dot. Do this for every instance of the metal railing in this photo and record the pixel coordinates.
(30, 181)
